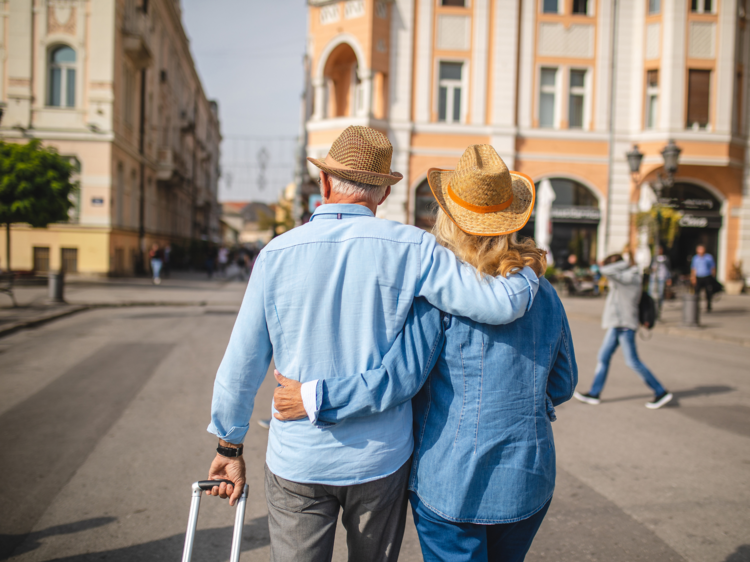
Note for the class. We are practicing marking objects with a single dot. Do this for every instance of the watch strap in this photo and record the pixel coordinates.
(230, 452)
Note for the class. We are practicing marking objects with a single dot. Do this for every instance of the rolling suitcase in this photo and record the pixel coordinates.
(239, 519)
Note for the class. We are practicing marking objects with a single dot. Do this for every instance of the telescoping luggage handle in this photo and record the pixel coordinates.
(198, 489)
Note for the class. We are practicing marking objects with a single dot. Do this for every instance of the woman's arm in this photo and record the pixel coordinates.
(404, 370)
(563, 377)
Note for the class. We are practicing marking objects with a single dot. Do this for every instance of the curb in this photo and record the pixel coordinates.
(694, 333)
(75, 309)
(13, 328)
(697, 334)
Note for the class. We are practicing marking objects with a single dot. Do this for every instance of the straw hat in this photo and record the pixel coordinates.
(362, 155)
(482, 196)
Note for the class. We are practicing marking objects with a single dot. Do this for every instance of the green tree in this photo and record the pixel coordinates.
(35, 186)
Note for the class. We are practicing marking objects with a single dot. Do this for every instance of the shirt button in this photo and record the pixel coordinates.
(446, 321)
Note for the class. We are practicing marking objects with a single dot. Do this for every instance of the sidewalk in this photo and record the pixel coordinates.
(728, 323)
(182, 289)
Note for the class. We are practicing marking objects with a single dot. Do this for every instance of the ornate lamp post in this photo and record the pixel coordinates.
(635, 157)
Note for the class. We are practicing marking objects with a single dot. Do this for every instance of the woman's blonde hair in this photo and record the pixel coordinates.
(490, 255)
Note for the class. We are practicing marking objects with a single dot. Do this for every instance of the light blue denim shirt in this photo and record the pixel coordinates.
(328, 299)
(484, 451)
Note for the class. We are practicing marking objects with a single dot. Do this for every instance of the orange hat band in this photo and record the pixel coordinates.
(478, 208)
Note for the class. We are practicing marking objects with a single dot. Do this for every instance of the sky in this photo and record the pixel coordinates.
(249, 57)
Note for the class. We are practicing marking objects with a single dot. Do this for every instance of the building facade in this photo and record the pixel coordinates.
(562, 89)
(112, 85)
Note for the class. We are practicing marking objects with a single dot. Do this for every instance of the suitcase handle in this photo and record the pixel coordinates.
(208, 484)
(239, 519)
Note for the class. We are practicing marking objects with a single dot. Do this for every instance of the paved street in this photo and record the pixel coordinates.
(103, 416)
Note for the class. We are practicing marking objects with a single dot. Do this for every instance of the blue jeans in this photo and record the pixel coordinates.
(156, 267)
(446, 541)
(656, 290)
(626, 338)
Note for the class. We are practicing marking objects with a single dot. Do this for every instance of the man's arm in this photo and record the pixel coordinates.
(240, 374)
(455, 287)
(404, 370)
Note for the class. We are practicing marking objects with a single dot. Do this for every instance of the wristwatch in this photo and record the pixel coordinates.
(230, 452)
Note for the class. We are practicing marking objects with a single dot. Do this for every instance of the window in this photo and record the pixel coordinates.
(652, 98)
(581, 7)
(702, 6)
(450, 88)
(62, 77)
(69, 260)
(550, 6)
(129, 94)
(461, 3)
(577, 101)
(547, 98)
(120, 206)
(738, 103)
(41, 259)
(654, 7)
(699, 89)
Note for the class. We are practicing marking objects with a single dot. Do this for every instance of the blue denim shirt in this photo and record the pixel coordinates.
(484, 451)
(328, 299)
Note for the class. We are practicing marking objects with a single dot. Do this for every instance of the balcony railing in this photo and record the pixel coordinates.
(136, 29)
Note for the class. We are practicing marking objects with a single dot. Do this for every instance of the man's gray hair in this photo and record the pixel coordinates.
(370, 193)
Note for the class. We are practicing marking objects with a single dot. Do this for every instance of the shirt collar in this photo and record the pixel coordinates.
(342, 209)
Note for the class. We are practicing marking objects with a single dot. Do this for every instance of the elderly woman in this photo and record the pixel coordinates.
(483, 467)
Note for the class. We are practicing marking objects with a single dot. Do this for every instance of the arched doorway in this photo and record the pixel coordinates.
(700, 224)
(425, 206)
(343, 85)
(575, 222)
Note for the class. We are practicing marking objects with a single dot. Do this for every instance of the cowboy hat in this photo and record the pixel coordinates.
(362, 155)
(481, 195)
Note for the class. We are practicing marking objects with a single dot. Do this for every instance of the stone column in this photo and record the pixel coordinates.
(365, 77)
(319, 108)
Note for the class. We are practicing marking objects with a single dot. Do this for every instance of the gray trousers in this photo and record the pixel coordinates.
(302, 518)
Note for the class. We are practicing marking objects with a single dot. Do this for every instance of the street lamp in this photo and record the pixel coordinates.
(671, 155)
(635, 157)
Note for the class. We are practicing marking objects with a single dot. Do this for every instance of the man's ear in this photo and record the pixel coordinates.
(325, 186)
(387, 193)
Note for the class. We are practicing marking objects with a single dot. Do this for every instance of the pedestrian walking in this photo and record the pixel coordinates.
(703, 274)
(166, 268)
(324, 299)
(156, 256)
(210, 261)
(223, 259)
(620, 319)
(660, 278)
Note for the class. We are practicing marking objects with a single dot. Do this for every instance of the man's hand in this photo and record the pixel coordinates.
(228, 469)
(287, 399)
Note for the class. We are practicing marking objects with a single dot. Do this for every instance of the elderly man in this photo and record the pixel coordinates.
(328, 299)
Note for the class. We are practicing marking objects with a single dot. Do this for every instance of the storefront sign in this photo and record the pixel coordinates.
(696, 221)
(576, 213)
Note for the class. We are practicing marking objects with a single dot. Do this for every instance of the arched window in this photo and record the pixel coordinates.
(344, 87)
(425, 206)
(62, 77)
